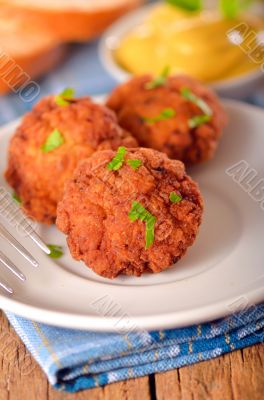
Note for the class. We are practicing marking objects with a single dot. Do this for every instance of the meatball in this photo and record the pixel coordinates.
(139, 218)
(49, 143)
(166, 119)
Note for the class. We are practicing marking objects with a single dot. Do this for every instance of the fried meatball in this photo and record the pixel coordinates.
(135, 105)
(38, 177)
(94, 213)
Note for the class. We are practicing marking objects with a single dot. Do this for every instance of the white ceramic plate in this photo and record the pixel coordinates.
(237, 88)
(222, 272)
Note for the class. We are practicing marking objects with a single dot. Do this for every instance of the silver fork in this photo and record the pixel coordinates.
(12, 214)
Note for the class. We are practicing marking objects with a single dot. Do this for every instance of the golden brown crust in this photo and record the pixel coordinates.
(38, 178)
(94, 213)
(132, 102)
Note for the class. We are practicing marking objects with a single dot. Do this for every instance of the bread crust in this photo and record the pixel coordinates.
(27, 49)
(69, 24)
(31, 66)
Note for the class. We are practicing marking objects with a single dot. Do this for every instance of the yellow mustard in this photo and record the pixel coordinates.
(196, 44)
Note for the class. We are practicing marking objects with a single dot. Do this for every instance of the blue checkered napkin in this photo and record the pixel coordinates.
(76, 360)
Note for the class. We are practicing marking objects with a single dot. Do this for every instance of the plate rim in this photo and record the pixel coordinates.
(60, 319)
(169, 320)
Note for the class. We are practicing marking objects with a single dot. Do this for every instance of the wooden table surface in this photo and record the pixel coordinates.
(236, 376)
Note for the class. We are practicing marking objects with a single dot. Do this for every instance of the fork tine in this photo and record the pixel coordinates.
(39, 242)
(14, 215)
(14, 243)
(34, 236)
(11, 267)
(10, 209)
(6, 287)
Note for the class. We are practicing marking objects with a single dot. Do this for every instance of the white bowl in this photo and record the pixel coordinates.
(237, 88)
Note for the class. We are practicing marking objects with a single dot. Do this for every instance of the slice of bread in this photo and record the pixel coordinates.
(32, 33)
(27, 49)
(74, 20)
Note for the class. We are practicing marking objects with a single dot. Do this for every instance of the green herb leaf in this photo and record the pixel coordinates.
(54, 140)
(56, 251)
(175, 198)
(189, 5)
(135, 164)
(63, 99)
(167, 113)
(159, 80)
(138, 212)
(118, 160)
(150, 231)
(16, 198)
(230, 8)
(68, 93)
(189, 95)
(198, 120)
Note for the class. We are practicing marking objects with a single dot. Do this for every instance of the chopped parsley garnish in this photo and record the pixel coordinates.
(198, 120)
(55, 251)
(229, 8)
(135, 164)
(167, 113)
(65, 97)
(159, 80)
(175, 198)
(54, 140)
(189, 95)
(16, 198)
(189, 5)
(138, 212)
(118, 160)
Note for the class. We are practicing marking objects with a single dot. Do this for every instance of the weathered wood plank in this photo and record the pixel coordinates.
(93, 394)
(247, 373)
(20, 376)
(134, 389)
(236, 376)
